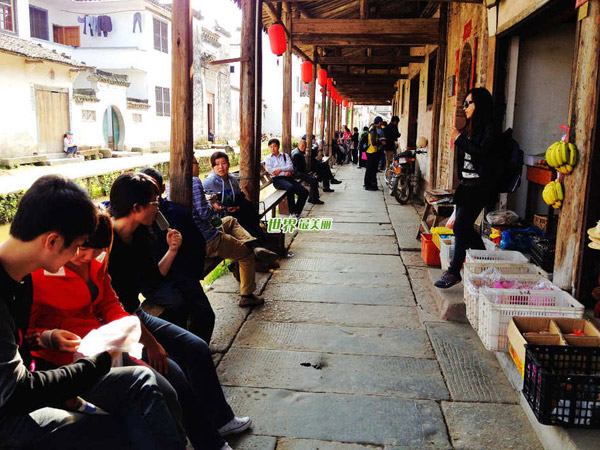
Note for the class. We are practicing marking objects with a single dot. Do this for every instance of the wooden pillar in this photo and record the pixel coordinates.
(323, 111)
(329, 135)
(583, 116)
(182, 151)
(436, 114)
(286, 138)
(310, 122)
(249, 172)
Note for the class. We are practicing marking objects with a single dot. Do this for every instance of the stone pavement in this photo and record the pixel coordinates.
(349, 351)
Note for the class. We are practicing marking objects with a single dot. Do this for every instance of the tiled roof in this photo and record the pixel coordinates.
(21, 47)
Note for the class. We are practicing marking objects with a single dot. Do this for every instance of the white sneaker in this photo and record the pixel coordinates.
(235, 425)
(226, 447)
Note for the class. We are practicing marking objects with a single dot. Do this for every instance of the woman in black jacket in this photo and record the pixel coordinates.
(475, 146)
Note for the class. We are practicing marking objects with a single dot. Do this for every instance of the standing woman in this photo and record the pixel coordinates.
(475, 146)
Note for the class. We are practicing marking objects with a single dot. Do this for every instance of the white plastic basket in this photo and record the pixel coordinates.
(495, 255)
(446, 252)
(505, 267)
(497, 306)
(471, 295)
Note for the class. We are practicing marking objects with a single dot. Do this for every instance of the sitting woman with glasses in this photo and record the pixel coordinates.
(475, 147)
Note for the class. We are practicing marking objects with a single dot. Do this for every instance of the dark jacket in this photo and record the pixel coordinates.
(391, 134)
(299, 161)
(479, 149)
(23, 391)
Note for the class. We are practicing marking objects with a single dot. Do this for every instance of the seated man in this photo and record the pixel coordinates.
(181, 294)
(321, 168)
(38, 408)
(230, 199)
(231, 242)
(301, 173)
(281, 168)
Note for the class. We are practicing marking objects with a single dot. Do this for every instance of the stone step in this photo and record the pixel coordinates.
(63, 160)
(19, 160)
(122, 154)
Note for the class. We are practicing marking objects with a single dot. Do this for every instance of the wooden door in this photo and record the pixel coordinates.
(413, 113)
(53, 120)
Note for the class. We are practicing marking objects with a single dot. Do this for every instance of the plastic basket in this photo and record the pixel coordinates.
(562, 384)
(497, 306)
(471, 295)
(446, 252)
(506, 268)
(495, 255)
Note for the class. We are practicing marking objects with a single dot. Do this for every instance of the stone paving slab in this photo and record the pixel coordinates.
(361, 217)
(326, 372)
(427, 307)
(312, 444)
(335, 339)
(228, 284)
(350, 263)
(326, 236)
(229, 320)
(367, 316)
(247, 441)
(371, 229)
(345, 278)
(471, 372)
(343, 418)
(485, 426)
(360, 206)
(375, 248)
(401, 295)
(413, 259)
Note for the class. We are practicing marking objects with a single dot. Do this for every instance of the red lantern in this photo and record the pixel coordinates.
(328, 93)
(306, 70)
(277, 39)
(345, 103)
(329, 84)
(321, 90)
(322, 77)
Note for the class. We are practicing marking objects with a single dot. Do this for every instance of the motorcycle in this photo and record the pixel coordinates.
(401, 177)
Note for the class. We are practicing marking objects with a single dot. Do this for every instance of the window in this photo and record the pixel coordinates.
(431, 70)
(137, 118)
(88, 115)
(7, 15)
(161, 36)
(38, 20)
(163, 101)
(231, 69)
(66, 35)
(298, 119)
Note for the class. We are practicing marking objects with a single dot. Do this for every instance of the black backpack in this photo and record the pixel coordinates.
(509, 163)
(363, 145)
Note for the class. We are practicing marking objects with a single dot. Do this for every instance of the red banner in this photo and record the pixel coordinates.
(578, 3)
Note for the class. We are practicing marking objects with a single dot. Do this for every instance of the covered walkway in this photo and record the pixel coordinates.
(349, 352)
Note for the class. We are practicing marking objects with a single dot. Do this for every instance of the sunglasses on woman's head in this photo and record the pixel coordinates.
(467, 103)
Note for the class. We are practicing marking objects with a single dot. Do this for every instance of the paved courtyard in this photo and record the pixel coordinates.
(349, 352)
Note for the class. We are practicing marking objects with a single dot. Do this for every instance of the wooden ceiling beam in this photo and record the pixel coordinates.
(364, 41)
(366, 27)
(364, 9)
(370, 61)
(366, 2)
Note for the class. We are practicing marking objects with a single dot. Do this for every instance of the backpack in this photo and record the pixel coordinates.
(509, 158)
(363, 145)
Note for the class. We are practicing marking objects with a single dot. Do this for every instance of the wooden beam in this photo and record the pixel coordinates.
(311, 112)
(249, 176)
(347, 41)
(436, 114)
(182, 117)
(220, 62)
(344, 79)
(370, 61)
(367, 27)
(366, 2)
(286, 117)
(254, 173)
(364, 9)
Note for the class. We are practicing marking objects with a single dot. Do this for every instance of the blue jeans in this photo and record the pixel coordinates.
(139, 418)
(292, 187)
(193, 375)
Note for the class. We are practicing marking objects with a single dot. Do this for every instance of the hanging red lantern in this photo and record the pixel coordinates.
(306, 71)
(329, 84)
(345, 103)
(277, 39)
(322, 77)
(321, 90)
(328, 93)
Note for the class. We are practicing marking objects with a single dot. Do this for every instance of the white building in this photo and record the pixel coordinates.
(103, 70)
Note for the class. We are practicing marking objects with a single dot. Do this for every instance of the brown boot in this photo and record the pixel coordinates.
(250, 300)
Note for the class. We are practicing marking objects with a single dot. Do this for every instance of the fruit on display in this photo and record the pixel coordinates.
(562, 156)
(554, 194)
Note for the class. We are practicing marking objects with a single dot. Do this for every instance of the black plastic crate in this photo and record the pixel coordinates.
(562, 384)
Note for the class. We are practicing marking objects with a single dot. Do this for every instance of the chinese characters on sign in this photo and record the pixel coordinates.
(289, 225)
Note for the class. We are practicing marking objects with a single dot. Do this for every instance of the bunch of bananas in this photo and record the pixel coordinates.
(554, 194)
(562, 156)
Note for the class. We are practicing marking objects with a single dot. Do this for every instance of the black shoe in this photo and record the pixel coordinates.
(448, 280)
(371, 188)
(334, 181)
(316, 202)
(328, 190)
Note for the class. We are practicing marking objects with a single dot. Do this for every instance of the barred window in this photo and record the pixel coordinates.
(88, 115)
(163, 101)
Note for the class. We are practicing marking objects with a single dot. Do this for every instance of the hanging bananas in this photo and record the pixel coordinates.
(554, 194)
(562, 156)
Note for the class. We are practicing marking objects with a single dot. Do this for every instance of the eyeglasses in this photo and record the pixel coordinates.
(468, 103)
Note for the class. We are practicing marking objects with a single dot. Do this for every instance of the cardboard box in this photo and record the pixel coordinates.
(555, 331)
